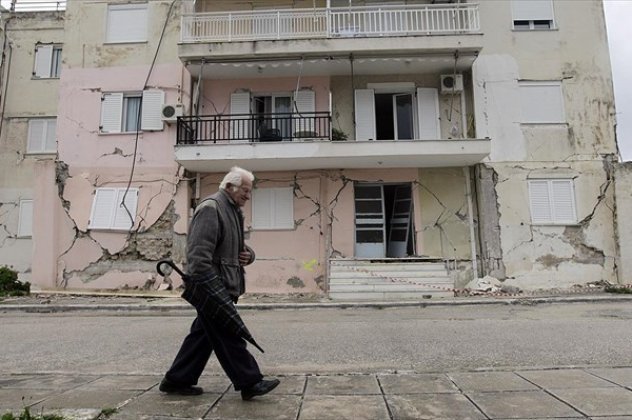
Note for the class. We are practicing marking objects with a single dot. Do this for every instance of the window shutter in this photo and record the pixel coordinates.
(102, 208)
(240, 127)
(305, 103)
(542, 102)
(121, 217)
(261, 208)
(25, 224)
(365, 114)
(532, 9)
(51, 136)
(43, 61)
(563, 201)
(283, 208)
(151, 118)
(540, 202)
(126, 23)
(428, 109)
(35, 141)
(111, 112)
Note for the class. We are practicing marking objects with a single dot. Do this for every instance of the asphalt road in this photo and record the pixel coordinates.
(431, 339)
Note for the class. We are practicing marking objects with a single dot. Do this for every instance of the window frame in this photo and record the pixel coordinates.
(524, 85)
(553, 201)
(115, 109)
(44, 140)
(532, 19)
(272, 199)
(115, 212)
(49, 56)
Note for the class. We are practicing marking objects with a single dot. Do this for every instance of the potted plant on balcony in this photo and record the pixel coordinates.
(338, 135)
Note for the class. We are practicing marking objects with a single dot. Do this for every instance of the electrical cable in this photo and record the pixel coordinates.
(139, 113)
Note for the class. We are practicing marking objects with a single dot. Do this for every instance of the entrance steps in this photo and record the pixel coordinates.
(388, 279)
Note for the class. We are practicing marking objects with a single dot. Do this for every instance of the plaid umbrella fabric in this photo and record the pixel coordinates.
(212, 302)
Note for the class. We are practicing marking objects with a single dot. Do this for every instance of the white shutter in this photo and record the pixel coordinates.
(542, 102)
(151, 118)
(50, 142)
(102, 214)
(36, 133)
(126, 23)
(532, 9)
(121, 216)
(305, 103)
(111, 112)
(240, 128)
(43, 61)
(563, 201)
(261, 208)
(540, 202)
(428, 109)
(25, 222)
(283, 208)
(365, 114)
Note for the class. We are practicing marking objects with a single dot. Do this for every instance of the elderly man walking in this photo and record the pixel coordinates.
(215, 247)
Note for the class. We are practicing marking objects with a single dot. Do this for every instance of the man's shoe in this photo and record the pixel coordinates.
(260, 388)
(169, 387)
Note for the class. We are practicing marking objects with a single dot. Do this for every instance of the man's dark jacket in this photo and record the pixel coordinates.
(216, 236)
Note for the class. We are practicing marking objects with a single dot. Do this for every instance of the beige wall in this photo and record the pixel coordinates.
(623, 191)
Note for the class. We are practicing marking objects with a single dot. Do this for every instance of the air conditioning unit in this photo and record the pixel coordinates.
(451, 83)
(171, 112)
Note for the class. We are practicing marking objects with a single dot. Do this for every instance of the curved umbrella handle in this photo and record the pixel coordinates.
(170, 264)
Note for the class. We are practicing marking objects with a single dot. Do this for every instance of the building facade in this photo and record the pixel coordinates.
(400, 149)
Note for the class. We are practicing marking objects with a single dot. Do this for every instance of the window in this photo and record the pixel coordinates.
(119, 111)
(273, 208)
(542, 102)
(126, 23)
(42, 136)
(47, 61)
(531, 15)
(25, 222)
(552, 201)
(108, 211)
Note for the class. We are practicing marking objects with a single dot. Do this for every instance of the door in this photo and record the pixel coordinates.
(399, 223)
(370, 223)
(403, 116)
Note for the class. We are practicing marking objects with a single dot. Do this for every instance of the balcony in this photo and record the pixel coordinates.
(331, 23)
(341, 30)
(271, 142)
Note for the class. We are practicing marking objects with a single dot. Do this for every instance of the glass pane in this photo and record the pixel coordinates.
(371, 206)
(404, 109)
(370, 236)
(398, 235)
(131, 117)
(366, 191)
(56, 63)
(283, 109)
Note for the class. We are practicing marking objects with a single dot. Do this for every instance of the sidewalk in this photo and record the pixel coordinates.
(573, 393)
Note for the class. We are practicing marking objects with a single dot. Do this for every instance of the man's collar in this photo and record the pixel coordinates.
(230, 199)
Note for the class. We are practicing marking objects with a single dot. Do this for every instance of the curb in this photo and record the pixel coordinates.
(168, 308)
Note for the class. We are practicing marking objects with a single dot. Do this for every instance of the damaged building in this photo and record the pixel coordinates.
(401, 149)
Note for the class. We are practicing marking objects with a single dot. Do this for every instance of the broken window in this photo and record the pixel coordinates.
(126, 23)
(42, 136)
(47, 61)
(552, 201)
(108, 210)
(120, 111)
(273, 208)
(529, 15)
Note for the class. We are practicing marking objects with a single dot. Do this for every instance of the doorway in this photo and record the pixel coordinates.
(394, 116)
(383, 220)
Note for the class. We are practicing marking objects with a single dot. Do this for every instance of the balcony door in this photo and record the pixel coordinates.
(274, 112)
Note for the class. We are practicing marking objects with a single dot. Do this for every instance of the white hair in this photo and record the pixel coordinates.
(235, 177)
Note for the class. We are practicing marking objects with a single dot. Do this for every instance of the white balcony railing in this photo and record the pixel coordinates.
(336, 22)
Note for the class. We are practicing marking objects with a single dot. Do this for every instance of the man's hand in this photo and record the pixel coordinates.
(245, 257)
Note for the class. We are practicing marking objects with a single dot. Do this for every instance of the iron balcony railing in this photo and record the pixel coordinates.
(431, 19)
(254, 128)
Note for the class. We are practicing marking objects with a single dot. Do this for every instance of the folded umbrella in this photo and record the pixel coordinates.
(213, 303)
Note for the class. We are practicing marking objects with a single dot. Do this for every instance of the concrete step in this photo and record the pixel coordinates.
(388, 274)
(446, 284)
(386, 296)
(388, 288)
(377, 266)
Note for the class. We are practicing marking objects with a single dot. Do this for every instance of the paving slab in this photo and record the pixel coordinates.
(433, 406)
(270, 406)
(214, 384)
(55, 382)
(343, 407)
(155, 403)
(124, 383)
(521, 404)
(491, 382)
(597, 401)
(291, 385)
(570, 378)
(66, 413)
(416, 384)
(620, 376)
(80, 398)
(342, 385)
(17, 399)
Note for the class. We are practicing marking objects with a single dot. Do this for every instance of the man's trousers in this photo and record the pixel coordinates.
(231, 352)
